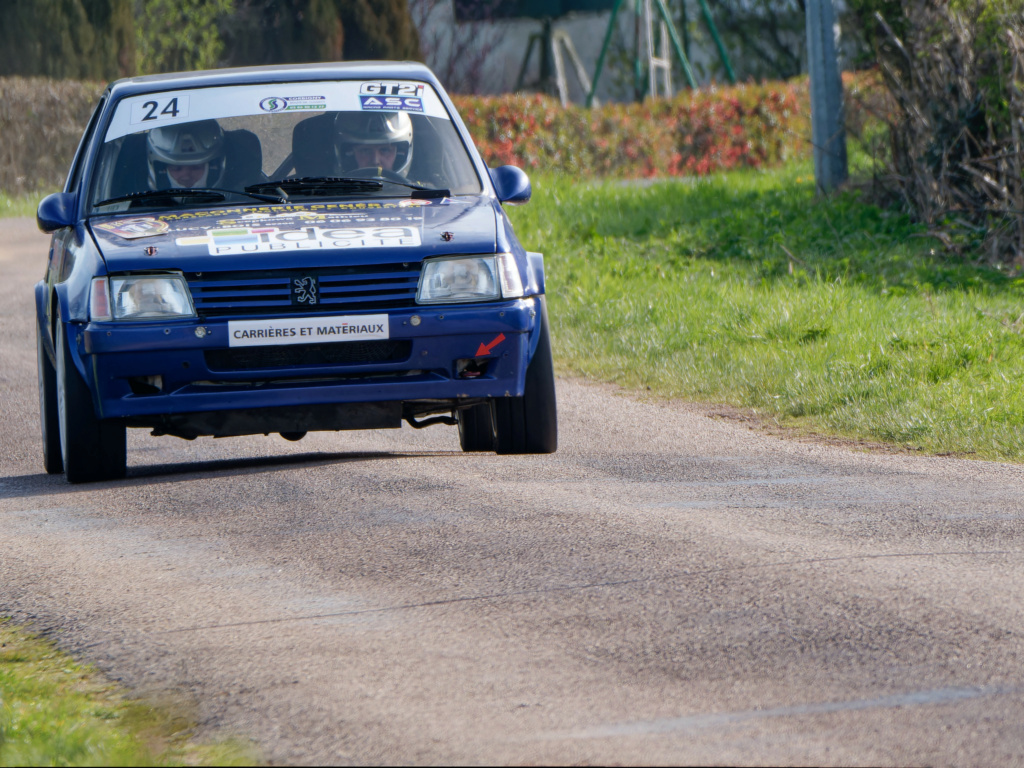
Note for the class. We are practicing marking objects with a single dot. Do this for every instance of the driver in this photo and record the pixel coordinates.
(186, 156)
(374, 140)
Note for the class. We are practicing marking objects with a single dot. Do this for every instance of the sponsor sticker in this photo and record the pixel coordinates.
(271, 211)
(391, 103)
(391, 88)
(292, 103)
(239, 240)
(327, 219)
(130, 229)
(307, 330)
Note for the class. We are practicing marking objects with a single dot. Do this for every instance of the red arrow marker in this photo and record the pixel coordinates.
(485, 349)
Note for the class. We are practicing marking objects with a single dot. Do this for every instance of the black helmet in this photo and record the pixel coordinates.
(361, 128)
(185, 144)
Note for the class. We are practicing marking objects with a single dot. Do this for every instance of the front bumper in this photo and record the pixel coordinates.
(118, 359)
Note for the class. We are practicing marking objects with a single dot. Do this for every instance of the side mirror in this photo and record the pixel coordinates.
(511, 184)
(56, 211)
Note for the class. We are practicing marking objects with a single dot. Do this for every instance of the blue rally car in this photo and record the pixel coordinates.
(286, 249)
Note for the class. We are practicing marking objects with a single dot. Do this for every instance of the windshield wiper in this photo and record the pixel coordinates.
(314, 185)
(424, 192)
(210, 194)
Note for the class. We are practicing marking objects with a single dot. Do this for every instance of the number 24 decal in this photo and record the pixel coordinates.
(154, 110)
(171, 109)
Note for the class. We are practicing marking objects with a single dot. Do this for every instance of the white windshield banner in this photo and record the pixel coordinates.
(152, 110)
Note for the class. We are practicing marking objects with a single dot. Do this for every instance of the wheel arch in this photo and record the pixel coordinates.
(535, 278)
(62, 310)
(44, 305)
(540, 323)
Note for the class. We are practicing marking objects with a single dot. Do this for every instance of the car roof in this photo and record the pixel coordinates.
(281, 73)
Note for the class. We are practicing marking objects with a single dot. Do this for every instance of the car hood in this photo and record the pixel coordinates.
(371, 231)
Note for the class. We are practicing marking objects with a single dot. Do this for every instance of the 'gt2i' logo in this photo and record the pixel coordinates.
(392, 88)
(305, 290)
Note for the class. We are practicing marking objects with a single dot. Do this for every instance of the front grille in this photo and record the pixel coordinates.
(287, 356)
(341, 289)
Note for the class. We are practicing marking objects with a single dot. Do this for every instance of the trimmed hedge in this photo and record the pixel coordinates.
(41, 123)
(696, 133)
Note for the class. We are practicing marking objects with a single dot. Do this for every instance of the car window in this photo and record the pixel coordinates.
(395, 134)
(75, 177)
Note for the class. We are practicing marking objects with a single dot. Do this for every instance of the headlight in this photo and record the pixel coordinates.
(454, 279)
(144, 297)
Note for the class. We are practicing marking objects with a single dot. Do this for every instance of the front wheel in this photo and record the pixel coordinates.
(92, 448)
(529, 424)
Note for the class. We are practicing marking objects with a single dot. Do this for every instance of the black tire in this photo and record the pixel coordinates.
(49, 419)
(529, 424)
(92, 449)
(476, 428)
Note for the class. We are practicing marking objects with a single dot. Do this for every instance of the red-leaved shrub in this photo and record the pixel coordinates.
(697, 132)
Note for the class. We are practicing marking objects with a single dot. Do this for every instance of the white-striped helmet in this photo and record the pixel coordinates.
(373, 128)
(185, 144)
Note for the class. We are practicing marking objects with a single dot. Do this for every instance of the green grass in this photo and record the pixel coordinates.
(54, 711)
(825, 314)
(19, 205)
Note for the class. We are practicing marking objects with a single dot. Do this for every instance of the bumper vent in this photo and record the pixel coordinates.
(345, 353)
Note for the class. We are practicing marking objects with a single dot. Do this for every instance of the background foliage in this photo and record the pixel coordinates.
(955, 72)
(766, 39)
(76, 39)
(107, 39)
(41, 122)
(278, 31)
(195, 42)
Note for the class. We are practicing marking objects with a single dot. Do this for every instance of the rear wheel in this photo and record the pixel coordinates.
(529, 424)
(92, 448)
(476, 428)
(49, 419)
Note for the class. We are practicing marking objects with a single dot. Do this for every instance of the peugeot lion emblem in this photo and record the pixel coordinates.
(305, 290)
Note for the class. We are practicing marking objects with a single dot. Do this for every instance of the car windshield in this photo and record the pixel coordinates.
(298, 141)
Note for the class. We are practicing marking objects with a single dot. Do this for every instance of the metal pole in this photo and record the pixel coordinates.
(686, 28)
(828, 133)
(639, 86)
(687, 72)
(710, 21)
(521, 80)
(604, 51)
(652, 75)
(546, 53)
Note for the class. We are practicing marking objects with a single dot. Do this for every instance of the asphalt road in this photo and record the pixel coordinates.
(667, 588)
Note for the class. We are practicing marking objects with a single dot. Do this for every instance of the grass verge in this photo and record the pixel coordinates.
(828, 315)
(12, 206)
(54, 711)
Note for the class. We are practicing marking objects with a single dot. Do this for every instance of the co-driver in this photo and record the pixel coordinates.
(374, 140)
